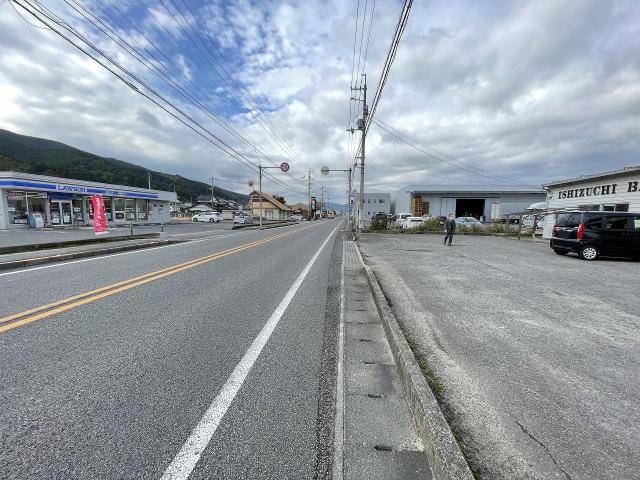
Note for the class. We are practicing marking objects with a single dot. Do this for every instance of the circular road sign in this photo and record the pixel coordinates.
(324, 170)
(284, 166)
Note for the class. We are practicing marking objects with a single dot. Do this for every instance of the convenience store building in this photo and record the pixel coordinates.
(64, 202)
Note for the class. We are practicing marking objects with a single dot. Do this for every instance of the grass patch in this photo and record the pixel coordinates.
(449, 413)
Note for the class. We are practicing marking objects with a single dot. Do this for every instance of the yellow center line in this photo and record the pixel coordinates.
(43, 311)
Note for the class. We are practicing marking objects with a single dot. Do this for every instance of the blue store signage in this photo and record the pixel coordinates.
(67, 190)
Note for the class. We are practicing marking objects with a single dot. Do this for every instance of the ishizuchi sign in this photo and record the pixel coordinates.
(598, 190)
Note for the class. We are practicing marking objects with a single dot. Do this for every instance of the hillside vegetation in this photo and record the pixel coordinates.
(21, 153)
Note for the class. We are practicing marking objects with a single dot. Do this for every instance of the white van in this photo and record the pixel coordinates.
(401, 217)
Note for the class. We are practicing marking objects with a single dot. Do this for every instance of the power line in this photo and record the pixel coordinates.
(183, 89)
(41, 13)
(366, 50)
(391, 54)
(237, 85)
(414, 140)
(469, 170)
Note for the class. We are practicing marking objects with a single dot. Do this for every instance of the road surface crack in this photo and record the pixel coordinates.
(526, 432)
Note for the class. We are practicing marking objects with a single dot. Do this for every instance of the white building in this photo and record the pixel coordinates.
(67, 202)
(374, 203)
(462, 200)
(617, 190)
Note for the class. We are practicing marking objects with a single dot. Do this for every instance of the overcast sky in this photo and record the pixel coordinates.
(531, 91)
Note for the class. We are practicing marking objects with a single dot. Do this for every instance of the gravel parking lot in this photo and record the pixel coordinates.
(538, 355)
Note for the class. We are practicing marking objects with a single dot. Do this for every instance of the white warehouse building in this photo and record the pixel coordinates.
(374, 203)
(616, 190)
(464, 200)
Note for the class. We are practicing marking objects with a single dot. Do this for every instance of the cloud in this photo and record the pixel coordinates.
(530, 90)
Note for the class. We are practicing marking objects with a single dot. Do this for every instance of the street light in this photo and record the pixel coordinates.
(325, 171)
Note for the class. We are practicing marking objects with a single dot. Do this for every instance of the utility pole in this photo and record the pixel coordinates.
(321, 200)
(260, 189)
(349, 173)
(149, 179)
(309, 193)
(212, 179)
(362, 126)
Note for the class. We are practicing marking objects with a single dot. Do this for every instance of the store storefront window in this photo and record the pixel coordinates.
(17, 207)
(119, 209)
(141, 210)
(129, 203)
(107, 208)
(88, 208)
(78, 215)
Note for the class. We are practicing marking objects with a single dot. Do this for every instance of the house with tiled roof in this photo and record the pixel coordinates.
(272, 209)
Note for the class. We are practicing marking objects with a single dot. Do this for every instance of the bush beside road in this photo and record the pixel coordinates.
(535, 355)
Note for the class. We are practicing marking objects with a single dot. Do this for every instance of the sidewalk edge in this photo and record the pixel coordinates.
(63, 257)
(441, 448)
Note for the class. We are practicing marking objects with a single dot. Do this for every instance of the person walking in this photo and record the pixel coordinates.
(450, 229)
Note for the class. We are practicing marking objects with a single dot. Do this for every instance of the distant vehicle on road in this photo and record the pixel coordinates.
(211, 217)
(296, 217)
(595, 234)
(239, 218)
(331, 214)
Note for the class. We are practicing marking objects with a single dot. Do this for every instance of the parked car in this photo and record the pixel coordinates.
(426, 218)
(412, 222)
(529, 220)
(296, 217)
(240, 218)
(595, 234)
(400, 218)
(211, 217)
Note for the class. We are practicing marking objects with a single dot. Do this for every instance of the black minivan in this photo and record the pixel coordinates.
(595, 234)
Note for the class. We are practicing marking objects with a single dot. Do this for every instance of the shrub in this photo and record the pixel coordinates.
(429, 226)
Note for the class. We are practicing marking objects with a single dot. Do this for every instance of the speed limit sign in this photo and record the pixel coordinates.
(284, 166)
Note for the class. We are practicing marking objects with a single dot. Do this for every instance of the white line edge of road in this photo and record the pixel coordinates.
(187, 458)
(338, 442)
(100, 257)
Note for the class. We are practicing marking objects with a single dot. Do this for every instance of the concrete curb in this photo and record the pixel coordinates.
(441, 448)
(63, 257)
(33, 247)
(264, 225)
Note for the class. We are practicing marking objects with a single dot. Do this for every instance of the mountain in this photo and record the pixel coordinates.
(338, 207)
(40, 156)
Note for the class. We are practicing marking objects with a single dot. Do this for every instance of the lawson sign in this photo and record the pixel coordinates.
(63, 188)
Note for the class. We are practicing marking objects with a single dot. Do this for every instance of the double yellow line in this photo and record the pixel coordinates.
(22, 318)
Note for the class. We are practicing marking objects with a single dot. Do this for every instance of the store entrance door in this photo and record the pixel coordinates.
(61, 212)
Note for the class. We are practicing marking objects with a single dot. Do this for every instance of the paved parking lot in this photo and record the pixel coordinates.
(538, 355)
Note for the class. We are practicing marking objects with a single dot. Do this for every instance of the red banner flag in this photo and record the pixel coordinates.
(99, 217)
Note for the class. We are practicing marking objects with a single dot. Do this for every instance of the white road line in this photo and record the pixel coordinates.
(100, 257)
(142, 250)
(185, 461)
(338, 441)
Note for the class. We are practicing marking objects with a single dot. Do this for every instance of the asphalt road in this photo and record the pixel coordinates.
(114, 386)
(537, 355)
(27, 236)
